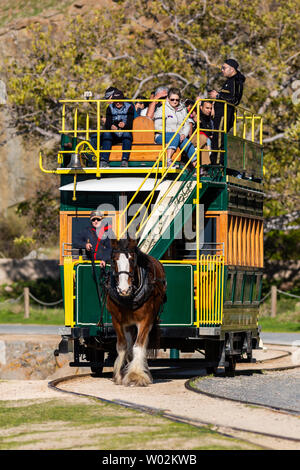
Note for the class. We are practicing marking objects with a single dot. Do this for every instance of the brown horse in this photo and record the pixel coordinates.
(136, 292)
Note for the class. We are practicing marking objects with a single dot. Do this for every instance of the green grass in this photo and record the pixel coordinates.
(37, 315)
(60, 424)
(287, 318)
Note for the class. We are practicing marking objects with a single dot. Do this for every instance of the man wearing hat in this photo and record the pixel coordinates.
(96, 239)
(232, 92)
(119, 117)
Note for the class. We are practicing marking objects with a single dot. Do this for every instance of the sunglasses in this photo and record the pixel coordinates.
(97, 219)
(174, 99)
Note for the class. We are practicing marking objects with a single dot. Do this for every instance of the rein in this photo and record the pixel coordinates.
(100, 283)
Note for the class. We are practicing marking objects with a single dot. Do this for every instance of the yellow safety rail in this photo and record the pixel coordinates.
(209, 290)
(241, 115)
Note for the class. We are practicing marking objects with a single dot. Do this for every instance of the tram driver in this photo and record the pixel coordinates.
(96, 238)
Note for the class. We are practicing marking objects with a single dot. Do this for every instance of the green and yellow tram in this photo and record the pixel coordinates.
(205, 227)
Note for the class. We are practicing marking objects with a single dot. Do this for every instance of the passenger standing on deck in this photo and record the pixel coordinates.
(231, 92)
(96, 239)
(119, 116)
(174, 115)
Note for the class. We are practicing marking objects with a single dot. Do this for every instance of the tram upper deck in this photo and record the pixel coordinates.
(82, 129)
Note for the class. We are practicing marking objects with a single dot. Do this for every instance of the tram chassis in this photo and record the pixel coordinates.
(220, 349)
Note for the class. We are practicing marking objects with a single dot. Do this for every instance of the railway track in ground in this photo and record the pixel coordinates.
(172, 396)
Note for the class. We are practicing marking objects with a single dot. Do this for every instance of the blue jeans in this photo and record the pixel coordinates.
(109, 138)
(189, 149)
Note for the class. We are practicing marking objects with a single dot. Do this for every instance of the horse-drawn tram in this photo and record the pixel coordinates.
(204, 224)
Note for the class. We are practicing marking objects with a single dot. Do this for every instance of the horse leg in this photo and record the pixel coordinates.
(121, 350)
(137, 372)
(129, 332)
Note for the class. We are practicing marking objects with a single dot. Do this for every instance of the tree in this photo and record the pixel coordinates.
(139, 44)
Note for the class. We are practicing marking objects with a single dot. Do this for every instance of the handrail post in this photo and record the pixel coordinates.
(234, 122)
(164, 159)
(98, 137)
(198, 218)
(75, 122)
(63, 122)
(87, 124)
(225, 117)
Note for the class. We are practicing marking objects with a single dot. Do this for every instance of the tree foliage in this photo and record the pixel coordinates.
(137, 45)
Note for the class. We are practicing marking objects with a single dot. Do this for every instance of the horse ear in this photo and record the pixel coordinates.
(114, 242)
(132, 242)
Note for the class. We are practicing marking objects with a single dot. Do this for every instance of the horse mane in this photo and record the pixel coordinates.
(143, 260)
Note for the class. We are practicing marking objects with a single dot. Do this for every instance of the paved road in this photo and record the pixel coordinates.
(15, 329)
(276, 389)
(285, 339)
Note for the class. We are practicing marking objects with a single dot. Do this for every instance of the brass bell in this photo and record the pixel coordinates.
(75, 162)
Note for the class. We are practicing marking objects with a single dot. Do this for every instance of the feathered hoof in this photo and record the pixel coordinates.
(118, 379)
(137, 379)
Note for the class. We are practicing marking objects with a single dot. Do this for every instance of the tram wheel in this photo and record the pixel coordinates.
(230, 369)
(98, 359)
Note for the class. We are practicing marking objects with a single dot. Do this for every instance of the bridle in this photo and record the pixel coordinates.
(128, 273)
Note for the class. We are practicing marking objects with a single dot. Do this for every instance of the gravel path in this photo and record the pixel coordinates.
(276, 389)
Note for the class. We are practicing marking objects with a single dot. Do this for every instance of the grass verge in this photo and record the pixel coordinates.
(60, 424)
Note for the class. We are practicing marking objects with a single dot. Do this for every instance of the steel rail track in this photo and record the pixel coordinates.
(228, 431)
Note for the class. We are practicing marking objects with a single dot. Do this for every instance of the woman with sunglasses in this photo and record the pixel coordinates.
(96, 239)
(175, 113)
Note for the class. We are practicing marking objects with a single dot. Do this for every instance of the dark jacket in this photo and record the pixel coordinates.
(231, 91)
(101, 244)
(115, 116)
(206, 122)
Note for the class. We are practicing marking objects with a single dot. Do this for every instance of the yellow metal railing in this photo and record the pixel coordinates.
(81, 117)
(209, 276)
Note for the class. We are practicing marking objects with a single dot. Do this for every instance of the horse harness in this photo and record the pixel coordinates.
(141, 291)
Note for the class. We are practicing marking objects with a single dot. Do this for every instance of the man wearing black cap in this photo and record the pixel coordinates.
(119, 117)
(231, 92)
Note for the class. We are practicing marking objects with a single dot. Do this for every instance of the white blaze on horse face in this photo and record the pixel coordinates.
(123, 265)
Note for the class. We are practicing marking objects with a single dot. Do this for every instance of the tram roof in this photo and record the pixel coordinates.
(115, 184)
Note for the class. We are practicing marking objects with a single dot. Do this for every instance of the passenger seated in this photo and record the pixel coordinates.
(140, 107)
(206, 122)
(119, 116)
(175, 113)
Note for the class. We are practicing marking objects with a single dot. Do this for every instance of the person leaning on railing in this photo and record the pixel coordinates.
(119, 116)
(231, 92)
(174, 114)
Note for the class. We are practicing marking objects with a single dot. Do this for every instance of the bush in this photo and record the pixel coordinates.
(46, 290)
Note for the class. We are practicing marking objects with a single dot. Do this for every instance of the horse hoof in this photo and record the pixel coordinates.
(118, 380)
(137, 380)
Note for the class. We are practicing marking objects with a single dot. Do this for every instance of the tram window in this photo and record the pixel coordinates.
(248, 281)
(229, 288)
(238, 288)
(256, 288)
